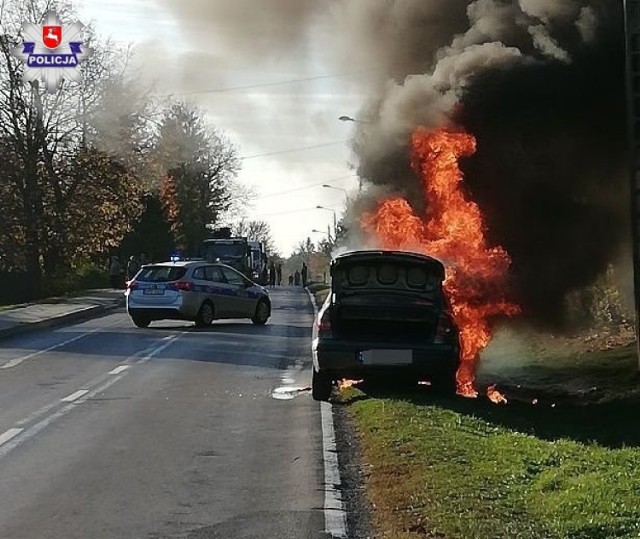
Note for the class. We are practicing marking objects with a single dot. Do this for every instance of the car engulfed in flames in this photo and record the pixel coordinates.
(452, 231)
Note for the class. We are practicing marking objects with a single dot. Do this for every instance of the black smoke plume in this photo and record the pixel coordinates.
(539, 82)
(542, 87)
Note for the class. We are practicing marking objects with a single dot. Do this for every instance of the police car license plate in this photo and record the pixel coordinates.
(153, 292)
(387, 357)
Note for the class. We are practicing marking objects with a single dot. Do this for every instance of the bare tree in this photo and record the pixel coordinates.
(256, 231)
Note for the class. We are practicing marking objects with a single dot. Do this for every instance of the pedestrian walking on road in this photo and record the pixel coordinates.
(279, 274)
(290, 280)
(297, 278)
(115, 270)
(133, 267)
(272, 274)
(304, 273)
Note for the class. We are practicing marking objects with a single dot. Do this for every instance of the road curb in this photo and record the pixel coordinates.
(88, 313)
(335, 516)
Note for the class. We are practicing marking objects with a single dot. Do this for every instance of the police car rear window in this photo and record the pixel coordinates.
(161, 274)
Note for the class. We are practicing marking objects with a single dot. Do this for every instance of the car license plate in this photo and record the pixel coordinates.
(387, 357)
(153, 292)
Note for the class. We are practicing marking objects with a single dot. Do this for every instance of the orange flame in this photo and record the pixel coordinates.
(495, 396)
(452, 231)
(344, 384)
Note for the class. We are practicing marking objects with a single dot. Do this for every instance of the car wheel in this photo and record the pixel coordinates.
(321, 385)
(141, 322)
(262, 313)
(205, 315)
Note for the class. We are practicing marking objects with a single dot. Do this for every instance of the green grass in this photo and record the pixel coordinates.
(467, 469)
(320, 292)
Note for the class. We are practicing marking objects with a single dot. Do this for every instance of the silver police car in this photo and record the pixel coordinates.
(194, 290)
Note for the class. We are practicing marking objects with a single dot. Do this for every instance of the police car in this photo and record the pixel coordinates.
(199, 291)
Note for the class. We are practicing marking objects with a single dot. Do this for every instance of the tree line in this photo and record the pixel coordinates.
(100, 168)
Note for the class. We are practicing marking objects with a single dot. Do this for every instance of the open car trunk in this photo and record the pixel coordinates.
(389, 297)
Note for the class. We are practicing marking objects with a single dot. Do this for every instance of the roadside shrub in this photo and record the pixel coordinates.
(601, 305)
(86, 276)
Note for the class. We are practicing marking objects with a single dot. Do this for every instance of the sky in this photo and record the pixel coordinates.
(281, 112)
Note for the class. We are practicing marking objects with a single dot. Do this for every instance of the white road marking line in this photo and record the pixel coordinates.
(155, 351)
(25, 434)
(15, 362)
(335, 517)
(11, 433)
(119, 369)
(334, 513)
(75, 396)
(44, 423)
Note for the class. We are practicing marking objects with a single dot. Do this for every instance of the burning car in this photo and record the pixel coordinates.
(387, 313)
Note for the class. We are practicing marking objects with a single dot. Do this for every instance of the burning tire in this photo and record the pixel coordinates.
(321, 386)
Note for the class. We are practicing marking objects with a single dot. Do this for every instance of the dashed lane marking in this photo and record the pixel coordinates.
(8, 435)
(75, 396)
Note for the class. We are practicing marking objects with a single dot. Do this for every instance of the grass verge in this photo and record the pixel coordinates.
(320, 292)
(468, 469)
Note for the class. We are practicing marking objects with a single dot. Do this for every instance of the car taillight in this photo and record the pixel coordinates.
(325, 321)
(186, 286)
(132, 285)
(444, 329)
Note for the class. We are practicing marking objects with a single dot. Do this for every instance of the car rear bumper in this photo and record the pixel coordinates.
(158, 313)
(184, 307)
(344, 358)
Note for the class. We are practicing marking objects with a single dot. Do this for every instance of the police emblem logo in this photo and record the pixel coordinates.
(52, 51)
(52, 36)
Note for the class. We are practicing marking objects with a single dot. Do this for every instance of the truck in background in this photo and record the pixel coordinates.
(259, 261)
(248, 257)
(234, 252)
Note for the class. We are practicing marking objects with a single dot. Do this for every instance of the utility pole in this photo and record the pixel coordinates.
(632, 33)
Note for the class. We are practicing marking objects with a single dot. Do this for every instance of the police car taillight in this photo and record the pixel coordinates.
(186, 286)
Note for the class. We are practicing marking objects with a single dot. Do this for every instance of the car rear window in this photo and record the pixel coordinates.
(161, 274)
(389, 275)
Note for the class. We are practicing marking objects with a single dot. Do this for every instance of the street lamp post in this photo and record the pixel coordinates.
(355, 121)
(350, 119)
(335, 219)
(328, 233)
(346, 194)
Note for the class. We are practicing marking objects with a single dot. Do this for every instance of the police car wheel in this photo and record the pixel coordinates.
(205, 315)
(262, 314)
(141, 322)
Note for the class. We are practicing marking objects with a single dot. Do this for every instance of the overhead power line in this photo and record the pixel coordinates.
(280, 193)
(292, 150)
(286, 212)
(267, 84)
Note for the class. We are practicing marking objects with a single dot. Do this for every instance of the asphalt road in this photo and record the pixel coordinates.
(109, 431)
